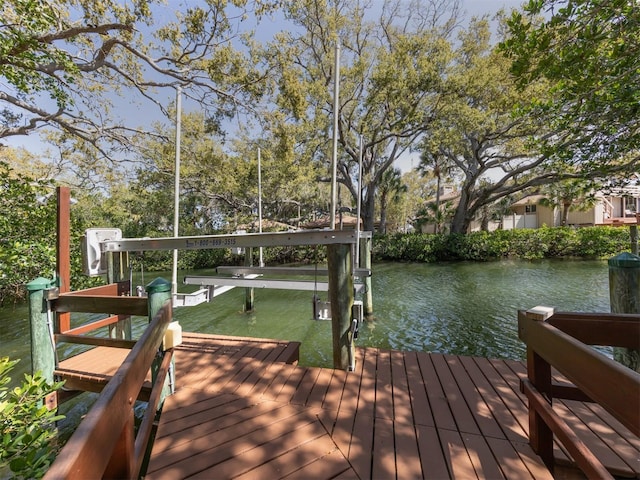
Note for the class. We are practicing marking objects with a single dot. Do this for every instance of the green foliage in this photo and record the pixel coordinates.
(207, 259)
(28, 235)
(588, 51)
(27, 433)
(27, 229)
(389, 111)
(556, 242)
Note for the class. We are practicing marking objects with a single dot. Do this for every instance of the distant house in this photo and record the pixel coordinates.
(621, 206)
(449, 199)
(618, 207)
(344, 221)
(267, 226)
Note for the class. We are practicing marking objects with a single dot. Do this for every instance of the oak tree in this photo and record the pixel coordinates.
(392, 63)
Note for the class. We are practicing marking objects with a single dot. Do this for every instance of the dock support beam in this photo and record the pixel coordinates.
(624, 297)
(249, 292)
(41, 318)
(365, 262)
(341, 297)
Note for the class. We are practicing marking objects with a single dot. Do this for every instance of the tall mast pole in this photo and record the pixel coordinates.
(176, 196)
(260, 203)
(334, 156)
(360, 155)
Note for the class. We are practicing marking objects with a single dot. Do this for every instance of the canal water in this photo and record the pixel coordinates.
(456, 308)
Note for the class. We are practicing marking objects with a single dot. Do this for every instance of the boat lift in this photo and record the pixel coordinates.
(105, 251)
(99, 241)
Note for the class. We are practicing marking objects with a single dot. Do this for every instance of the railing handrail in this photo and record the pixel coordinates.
(103, 442)
(113, 304)
(109, 299)
(615, 387)
(604, 329)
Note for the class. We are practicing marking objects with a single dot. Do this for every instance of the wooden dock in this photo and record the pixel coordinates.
(241, 411)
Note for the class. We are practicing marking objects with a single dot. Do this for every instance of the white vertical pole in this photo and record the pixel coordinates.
(260, 203)
(176, 196)
(334, 156)
(360, 154)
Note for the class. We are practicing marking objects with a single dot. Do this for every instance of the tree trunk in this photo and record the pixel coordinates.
(463, 216)
(565, 213)
(383, 214)
(368, 213)
(438, 227)
(484, 225)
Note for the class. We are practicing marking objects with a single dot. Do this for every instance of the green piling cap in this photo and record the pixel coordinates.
(158, 285)
(40, 283)
(625, 260)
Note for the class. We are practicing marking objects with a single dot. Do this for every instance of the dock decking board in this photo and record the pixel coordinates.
(244, 409)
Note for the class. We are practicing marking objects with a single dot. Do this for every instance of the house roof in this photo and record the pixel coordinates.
(445, 197)
(266, 225)
(630, 190)
(323, 222)
(529, 200)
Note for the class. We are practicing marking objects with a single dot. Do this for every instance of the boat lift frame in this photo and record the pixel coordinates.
(340, 245)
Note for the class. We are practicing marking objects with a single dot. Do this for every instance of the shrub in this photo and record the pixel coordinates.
(529, 244)
(26, 424)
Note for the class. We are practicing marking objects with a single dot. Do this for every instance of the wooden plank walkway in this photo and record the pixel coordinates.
(91, 370)
(240, 411)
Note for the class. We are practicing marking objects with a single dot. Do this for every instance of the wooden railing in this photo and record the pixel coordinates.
(561, 341)
(104, 445)
(106, 298)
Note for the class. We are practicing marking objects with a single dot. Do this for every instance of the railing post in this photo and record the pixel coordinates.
(365, 262)
(539, 373)
(41, 321)
(341, 296)
(158, 292)
(624, 297)
(63, 242)
(249, 293)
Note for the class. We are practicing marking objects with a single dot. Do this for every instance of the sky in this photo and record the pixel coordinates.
(470, 7)
(479, 7)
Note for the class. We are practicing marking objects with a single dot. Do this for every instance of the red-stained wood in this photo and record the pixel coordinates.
(104, 304)
(583, 456)
(615, 330)
(87, 454)
(610, 384)
(443, 418)
(372, 445)
(112, 289)
(88, 327)
(239, 413)
(63, 243)
(96, 341)
(462, 414)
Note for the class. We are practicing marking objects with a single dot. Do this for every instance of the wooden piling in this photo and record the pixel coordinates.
(633, 231)
(158, 293)
(624, 297)
(365, 262)
(249, 293)
(341, 297)
(40, 318)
